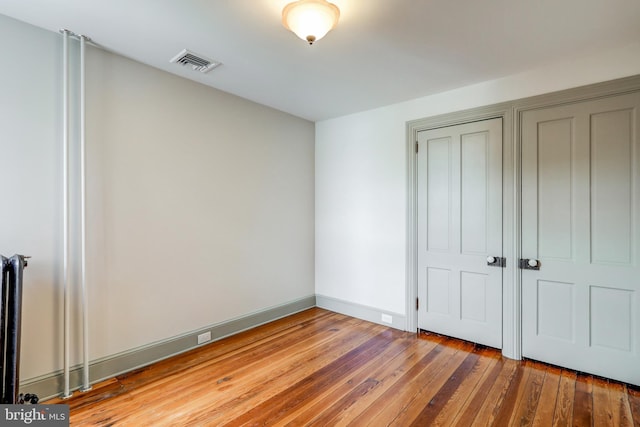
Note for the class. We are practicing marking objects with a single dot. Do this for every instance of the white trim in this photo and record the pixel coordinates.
(411, 284)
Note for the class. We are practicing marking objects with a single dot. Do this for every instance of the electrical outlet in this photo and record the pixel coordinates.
(203, 338)
(387, 319)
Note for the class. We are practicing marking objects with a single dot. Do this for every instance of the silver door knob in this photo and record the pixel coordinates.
(491, 259)
(532, 263)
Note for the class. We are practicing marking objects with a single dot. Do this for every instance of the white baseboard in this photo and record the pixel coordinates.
(371, 314)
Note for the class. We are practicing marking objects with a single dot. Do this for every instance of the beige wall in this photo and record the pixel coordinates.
(200, 203)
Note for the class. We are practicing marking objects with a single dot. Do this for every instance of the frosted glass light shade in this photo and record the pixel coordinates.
(310, 20)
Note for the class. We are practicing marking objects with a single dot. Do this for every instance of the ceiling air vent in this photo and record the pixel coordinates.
(196, 61)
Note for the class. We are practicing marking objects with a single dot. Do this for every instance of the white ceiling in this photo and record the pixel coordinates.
(381, 52)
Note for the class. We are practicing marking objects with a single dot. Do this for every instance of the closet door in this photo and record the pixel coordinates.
(581, 225)
(459, 226)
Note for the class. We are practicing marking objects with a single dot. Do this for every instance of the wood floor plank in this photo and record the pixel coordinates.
(430, 386)
(563, 413)
(526, 396)
(247, 388)
(468, 389)
(340, 395)
(194, 358)
(546, 406)
(430, 412)
(349, 398)
(388, 379)
(583, 401)
(498, 407)
(467, 416)
(250, 373)
(404, 391)
(319, 368)
(271, 409)
(258, 352)
(633, 394)
(602, 410)
(620, 405)
(528, 405)
(404, 388)
(144, 392)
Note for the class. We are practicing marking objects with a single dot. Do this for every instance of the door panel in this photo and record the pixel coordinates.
(580, 218)
(555, 151)
(473, 186)
(439, 197)
(611, 145)
(459, 225)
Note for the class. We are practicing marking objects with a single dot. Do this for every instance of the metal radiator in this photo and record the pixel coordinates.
(10, 317)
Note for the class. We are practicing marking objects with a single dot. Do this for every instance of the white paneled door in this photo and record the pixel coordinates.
(459, 227)
(581, 221)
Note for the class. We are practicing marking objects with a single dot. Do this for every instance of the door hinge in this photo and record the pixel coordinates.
(417, 303)
(417, 147)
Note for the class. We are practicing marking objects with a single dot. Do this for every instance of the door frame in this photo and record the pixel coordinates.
(510, 335)
(511, 114)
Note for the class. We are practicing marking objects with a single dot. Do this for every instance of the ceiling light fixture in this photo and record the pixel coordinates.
(310, 20)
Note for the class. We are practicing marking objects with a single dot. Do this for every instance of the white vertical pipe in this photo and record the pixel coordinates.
(65, 207)
(86, 386)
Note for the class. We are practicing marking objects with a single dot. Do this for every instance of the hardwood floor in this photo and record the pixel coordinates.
(319, 368)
